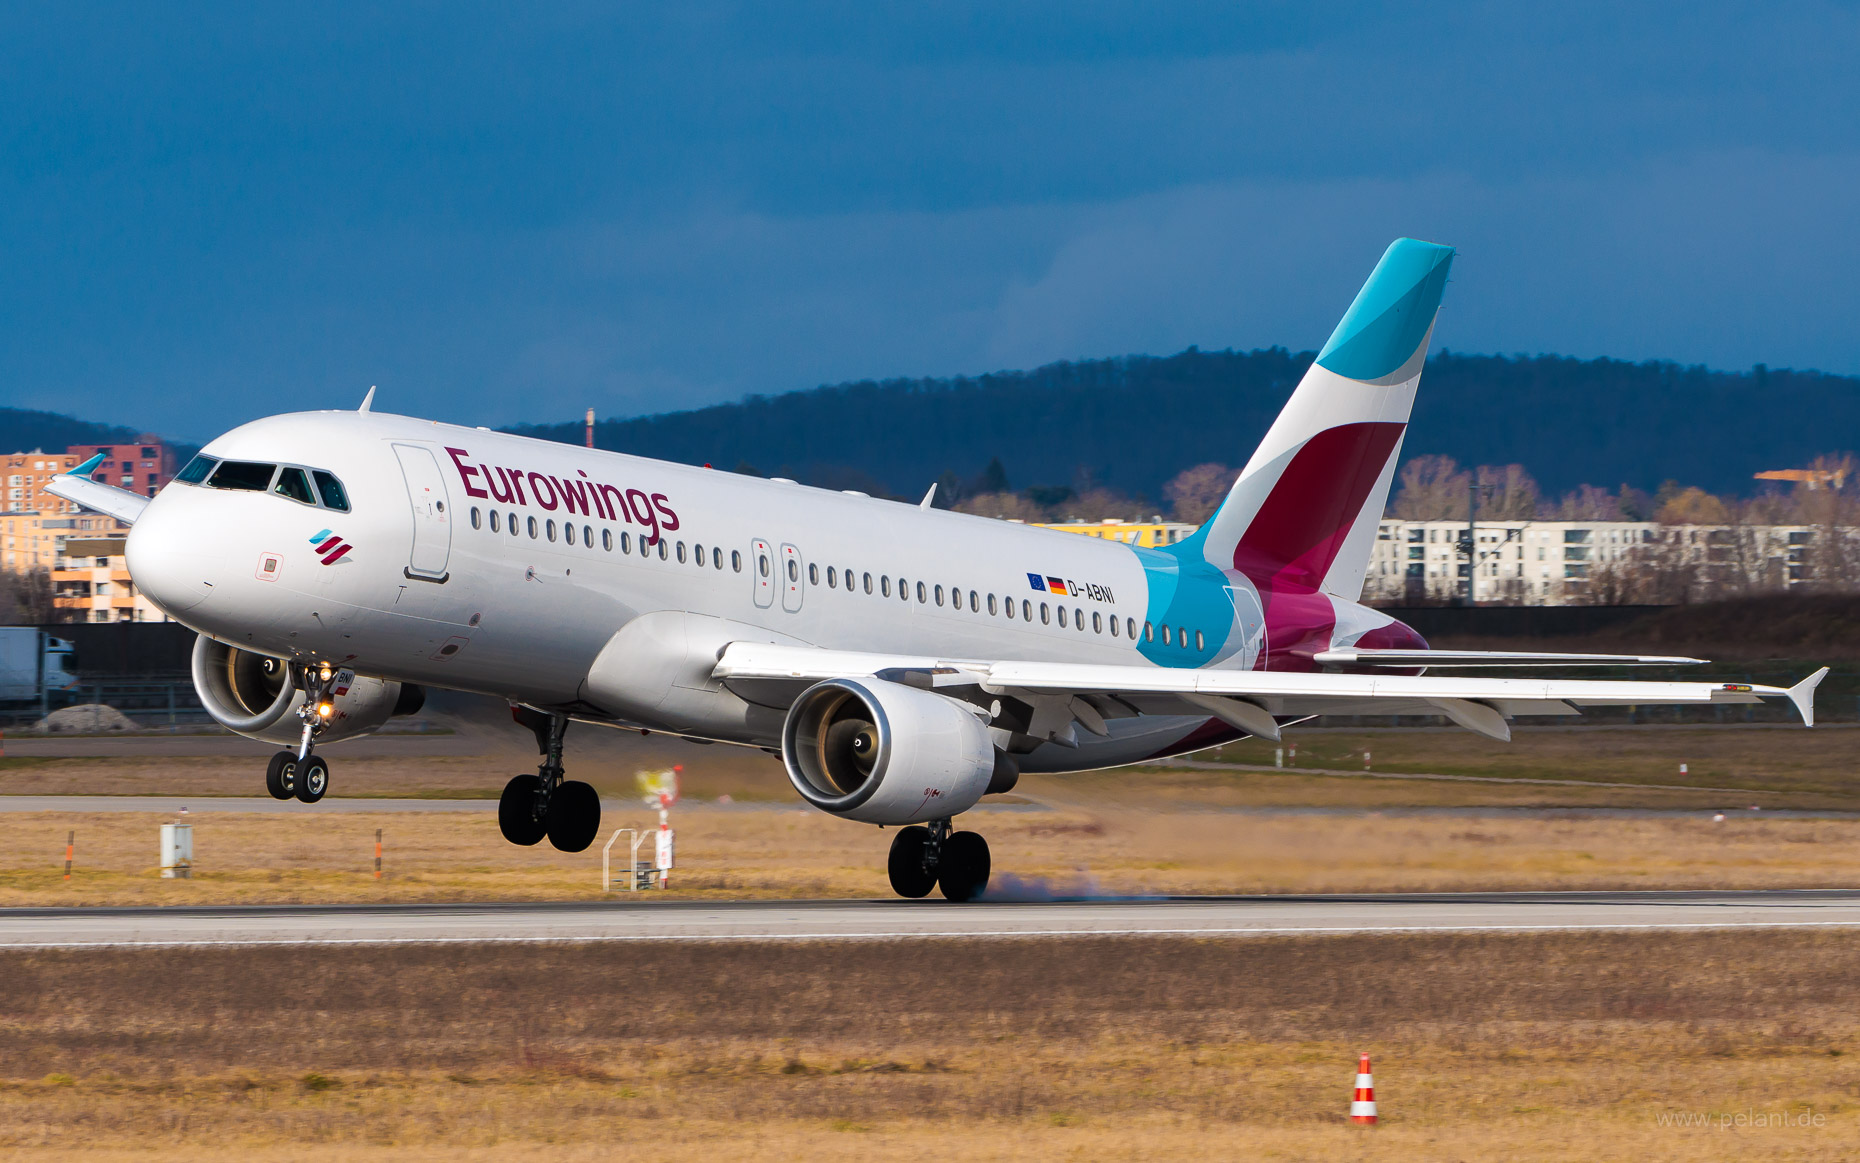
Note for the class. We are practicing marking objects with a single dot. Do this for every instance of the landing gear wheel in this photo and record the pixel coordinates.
(963, 871)
(516, 811)
(574, 816)
(906, 863)
(281, 775)
(312, 779)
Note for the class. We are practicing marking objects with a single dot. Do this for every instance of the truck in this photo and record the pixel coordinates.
(33, 664)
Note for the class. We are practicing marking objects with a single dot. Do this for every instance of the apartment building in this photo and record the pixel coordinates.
(26, 475)
(1554, 562)
(143, 467)
(90, 583)
(33, 540)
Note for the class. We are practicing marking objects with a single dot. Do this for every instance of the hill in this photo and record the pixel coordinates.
(22, 430)
(1133, 422)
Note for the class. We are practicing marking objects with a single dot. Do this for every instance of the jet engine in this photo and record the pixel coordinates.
(883, 753)
(255, 696)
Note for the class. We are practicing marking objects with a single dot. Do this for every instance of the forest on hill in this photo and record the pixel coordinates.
(1130, 425)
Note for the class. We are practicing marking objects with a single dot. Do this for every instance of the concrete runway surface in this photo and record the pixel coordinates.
(630, 920)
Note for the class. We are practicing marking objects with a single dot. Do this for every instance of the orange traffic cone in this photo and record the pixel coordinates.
(1363, 1106)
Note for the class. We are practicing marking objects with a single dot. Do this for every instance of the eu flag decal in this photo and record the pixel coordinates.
(1039, 583)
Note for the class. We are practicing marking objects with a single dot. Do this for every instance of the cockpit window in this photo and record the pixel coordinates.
(197, 470)
(294, 484)
(242, 474)
(330, 489)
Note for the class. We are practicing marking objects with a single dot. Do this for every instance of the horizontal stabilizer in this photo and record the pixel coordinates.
(109, 500)
(1460, 658)
(1802, 694)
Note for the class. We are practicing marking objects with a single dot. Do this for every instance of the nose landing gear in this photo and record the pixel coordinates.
(568, 812)
(925, 858)
(299, 773)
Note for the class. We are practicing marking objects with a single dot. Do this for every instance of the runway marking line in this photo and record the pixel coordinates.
(946, 933)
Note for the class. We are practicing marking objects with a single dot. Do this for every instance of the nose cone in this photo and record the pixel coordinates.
(169, 562)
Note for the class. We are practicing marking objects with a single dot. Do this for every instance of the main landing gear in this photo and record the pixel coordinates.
(544, 804)
(926, 858)
(300, 773)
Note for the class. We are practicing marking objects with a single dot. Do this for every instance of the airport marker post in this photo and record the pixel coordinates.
(70, 850)
(377, 854)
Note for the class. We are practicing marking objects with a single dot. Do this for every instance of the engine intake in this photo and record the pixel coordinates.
(884, 753)
(255, 696)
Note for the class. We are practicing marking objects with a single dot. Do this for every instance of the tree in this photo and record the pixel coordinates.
(1588, 503)
(1006, 506)
(1196, 492)
(1511, 493)
(994, 478)
(26, 598)
(1432, 489)
(1691, 506)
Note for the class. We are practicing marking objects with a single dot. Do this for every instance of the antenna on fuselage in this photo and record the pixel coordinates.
(368, 400)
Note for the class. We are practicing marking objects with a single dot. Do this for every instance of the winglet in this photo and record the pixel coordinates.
(88, 467)
(1802, 694)
(368, 401)
(928, 497)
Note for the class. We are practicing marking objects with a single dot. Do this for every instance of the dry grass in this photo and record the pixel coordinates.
(328, 857)
(1568, 1046)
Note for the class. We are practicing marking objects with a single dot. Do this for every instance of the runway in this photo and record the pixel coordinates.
(645, 920)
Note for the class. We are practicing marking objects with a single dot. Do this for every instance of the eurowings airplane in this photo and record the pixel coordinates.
(902, 661)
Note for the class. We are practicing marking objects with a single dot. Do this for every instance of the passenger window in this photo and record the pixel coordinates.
(662, 549)
(813, 574)
(1078, 619)
(243, 475)
(1097, 623)
(681, 553)
(762, 564)
(1062, 617)
(1181, 637)
(1113, 627)
(494, 525)
(1130, 627)
(511, 524)
(736, 560)
(1149, 632)
(532, 528)
(991, 603)
(794, 570)
(884, 586)
(920, 593)
(697, 555)
(294, 484)
(1045, 614)
(1165, 634)
(832, 575)
(975, 606)
(474, 516)
(607, 540)
(587, 536)
(921, 599)
(1026, 610)
(904, 590)
(568, 533)
(868, 583)
(549, 528)
(1199, 641)
(330, 489)
(626, 542)
(197, 470)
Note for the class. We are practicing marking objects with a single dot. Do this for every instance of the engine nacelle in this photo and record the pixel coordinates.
(255, 696)
(884, 753)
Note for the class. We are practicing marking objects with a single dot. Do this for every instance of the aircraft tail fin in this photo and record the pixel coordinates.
(1303, 513)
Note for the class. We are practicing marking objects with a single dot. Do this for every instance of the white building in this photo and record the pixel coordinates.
(1553, 562)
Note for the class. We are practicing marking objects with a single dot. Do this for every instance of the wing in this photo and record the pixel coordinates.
(1458, 659)
(109, 500)
(1251, 701)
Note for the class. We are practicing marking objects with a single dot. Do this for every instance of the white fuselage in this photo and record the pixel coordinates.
(429, 592)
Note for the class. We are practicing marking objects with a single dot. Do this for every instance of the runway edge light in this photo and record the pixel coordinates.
(1363, 1105)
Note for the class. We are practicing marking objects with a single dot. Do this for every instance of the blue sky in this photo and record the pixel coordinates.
(209, 213)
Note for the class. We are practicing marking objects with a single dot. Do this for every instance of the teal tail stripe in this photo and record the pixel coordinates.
(1392, 313)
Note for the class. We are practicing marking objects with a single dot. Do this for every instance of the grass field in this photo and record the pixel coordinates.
(1568, 1046)
(316, 857)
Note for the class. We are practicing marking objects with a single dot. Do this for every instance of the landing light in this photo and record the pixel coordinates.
(326, 709)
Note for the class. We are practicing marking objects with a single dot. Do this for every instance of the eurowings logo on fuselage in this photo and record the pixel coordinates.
(332, 547)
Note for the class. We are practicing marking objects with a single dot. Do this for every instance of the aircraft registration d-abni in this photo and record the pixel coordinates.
(902, 661)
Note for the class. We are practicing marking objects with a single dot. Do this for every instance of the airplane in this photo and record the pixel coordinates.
(902, 662)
